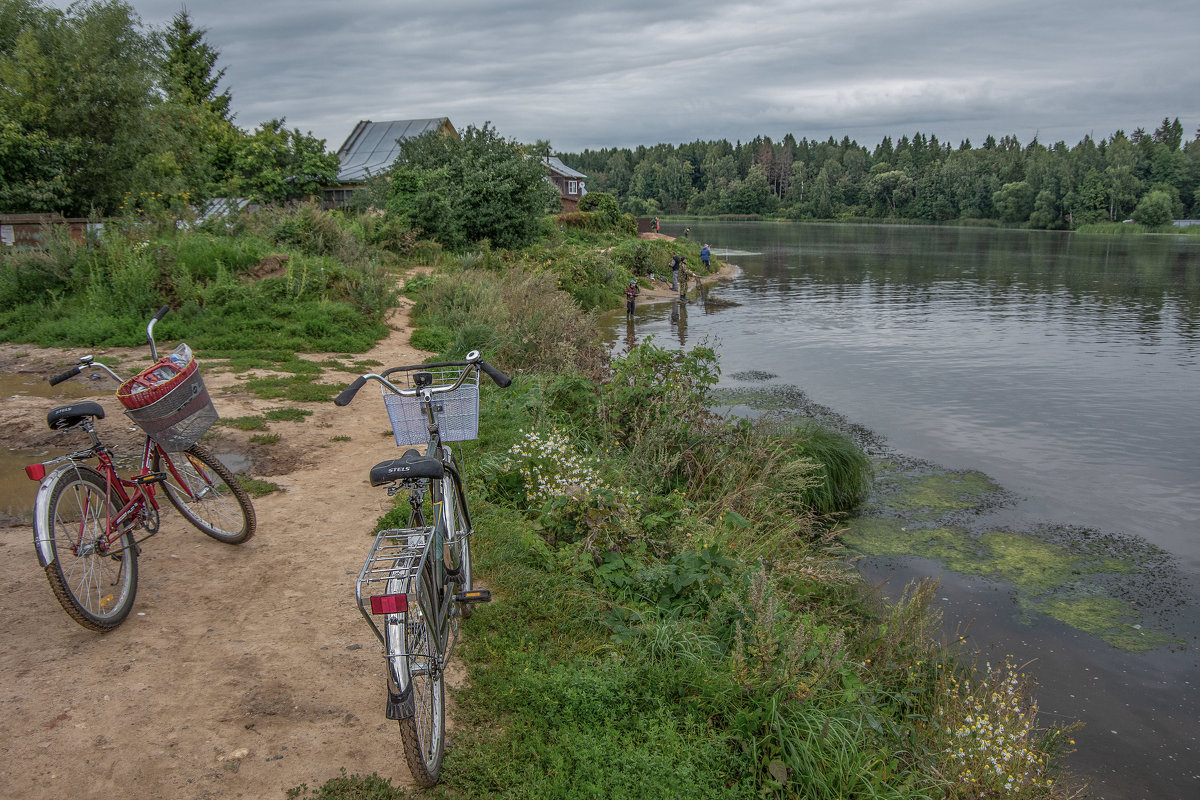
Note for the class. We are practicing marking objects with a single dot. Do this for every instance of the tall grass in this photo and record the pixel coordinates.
(519, 319)
(332, 297)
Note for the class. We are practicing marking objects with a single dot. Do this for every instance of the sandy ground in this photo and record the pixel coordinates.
(243, 671)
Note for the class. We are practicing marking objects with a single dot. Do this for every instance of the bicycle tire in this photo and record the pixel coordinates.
(423, 733)
(81, 565)
(213, 500)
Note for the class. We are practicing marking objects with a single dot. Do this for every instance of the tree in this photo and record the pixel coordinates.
(277, 165)
(1154, 209)
(461, 191)
(893, 187)
(1014, 201)
(81, 81)
(1122, 184)
(189, 75)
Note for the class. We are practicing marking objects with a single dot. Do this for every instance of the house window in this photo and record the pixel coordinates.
(572, 187)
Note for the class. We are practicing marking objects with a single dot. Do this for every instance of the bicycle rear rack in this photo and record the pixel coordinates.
(392, 567)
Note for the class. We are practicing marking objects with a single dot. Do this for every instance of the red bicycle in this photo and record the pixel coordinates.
(87, 519)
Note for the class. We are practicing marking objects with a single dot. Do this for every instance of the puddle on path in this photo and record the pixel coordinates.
(37, 386)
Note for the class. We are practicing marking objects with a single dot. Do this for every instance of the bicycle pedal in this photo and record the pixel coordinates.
(476, 596)
(149, 478)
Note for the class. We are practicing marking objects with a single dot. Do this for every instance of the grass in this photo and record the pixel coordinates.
(297, 388)
(288, 414)
(257, 487)
(244, 423)
(265, 438)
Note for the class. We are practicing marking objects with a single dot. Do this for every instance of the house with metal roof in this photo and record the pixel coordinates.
(372, 147)
(568, 181)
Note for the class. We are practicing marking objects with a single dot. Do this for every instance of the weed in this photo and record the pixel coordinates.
(298, 388)
(265, 438)
(256, 487)
(287, 414)
(350, 787)
(245, 423)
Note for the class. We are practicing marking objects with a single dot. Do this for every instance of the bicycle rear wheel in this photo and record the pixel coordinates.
(207, 494)
(94, 580)
(423, 732)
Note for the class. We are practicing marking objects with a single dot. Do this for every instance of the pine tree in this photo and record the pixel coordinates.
(190, 76)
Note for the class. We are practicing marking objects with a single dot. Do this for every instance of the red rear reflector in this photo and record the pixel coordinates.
(389, 603)
(36, 471)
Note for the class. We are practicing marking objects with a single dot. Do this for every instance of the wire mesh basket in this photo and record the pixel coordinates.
(457, 412)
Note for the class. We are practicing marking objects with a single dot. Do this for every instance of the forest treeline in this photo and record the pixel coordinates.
(1151, 177)
(156, 136)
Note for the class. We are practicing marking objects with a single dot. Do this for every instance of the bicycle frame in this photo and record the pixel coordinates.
(393, 557)
(134, 493)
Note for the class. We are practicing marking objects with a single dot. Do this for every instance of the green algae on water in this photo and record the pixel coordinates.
(1075, 576)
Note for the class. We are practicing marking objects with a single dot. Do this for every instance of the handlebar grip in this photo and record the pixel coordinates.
(162, 312)
(71, 373)
(348, 393)
(496, 375)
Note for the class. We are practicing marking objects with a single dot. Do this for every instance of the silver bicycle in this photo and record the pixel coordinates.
(418, 579)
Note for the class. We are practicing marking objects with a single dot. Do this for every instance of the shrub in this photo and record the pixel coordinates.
(1154, 209)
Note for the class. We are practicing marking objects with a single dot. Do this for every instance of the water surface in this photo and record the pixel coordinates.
(1065, 367)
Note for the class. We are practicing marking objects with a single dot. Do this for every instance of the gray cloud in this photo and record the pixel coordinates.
(618, 72)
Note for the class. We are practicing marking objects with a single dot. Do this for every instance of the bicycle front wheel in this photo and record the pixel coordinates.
(442, 501)
(207, 494)
(424, 731)
(94, 579)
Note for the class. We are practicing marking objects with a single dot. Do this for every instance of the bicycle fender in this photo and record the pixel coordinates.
(400, 706)
(41, 509)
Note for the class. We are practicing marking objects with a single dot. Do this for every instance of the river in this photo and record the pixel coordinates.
(1064, 367)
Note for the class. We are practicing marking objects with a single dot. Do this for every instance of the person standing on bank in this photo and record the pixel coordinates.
(631, 291)
(675, 262)
(705, 255)
(685, 275)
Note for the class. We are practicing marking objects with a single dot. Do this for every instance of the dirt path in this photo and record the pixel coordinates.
(243, 671)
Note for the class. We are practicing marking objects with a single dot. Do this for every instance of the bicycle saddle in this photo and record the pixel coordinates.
(409, 466)
(65, 417)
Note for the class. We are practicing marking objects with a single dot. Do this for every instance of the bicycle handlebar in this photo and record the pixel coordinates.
(498, 377)
(473, 360)
(162, 312)
(348, 393)
(71, 373)
(88, 360)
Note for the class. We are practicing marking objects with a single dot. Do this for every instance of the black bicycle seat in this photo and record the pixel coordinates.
(65, 417)
(409, 466)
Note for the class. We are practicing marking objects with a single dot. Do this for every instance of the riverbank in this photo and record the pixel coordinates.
(654, 632)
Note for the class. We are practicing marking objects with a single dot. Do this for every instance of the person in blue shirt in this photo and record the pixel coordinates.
(705, 255)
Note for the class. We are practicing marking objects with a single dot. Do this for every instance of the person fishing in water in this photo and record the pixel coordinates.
(631, 291)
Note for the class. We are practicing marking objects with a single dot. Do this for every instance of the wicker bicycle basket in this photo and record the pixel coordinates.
(169, 402)
(457, 412)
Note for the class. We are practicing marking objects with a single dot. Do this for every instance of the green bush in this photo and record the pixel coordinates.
(1154, 209)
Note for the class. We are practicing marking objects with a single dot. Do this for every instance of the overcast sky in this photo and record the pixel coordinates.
(602, 73)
